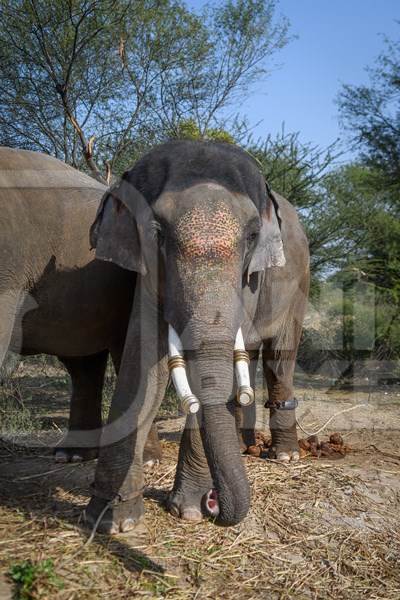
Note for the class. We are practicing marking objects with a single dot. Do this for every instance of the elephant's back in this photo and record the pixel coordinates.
(43, 200)
(24, 169)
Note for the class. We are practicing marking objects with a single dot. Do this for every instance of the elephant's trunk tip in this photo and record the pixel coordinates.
(211, 504)
(212, 508)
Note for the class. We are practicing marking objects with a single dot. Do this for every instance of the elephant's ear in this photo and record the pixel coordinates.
(269, 249)
(116, 231)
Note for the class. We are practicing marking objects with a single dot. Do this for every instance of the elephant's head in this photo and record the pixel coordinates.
(203, 214)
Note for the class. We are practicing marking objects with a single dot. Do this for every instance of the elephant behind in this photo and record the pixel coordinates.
(55, 298)
(218, 255)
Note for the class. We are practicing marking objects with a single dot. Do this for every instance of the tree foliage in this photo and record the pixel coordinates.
(298, 171)
(371, 115)
(354, 239)
(97, 82)
(94, 82)
(293, 168)
(188, 129)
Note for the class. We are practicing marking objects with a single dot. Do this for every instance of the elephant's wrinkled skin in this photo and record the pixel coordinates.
(196, 220)
(55, 298)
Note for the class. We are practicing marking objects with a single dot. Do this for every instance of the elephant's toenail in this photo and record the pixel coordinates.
(191, 514)
(283, 457)
(76, 458)
(128, 525)
(149, 464)
(295, 456)
(61, 457)
(110, 528)
(174, 510)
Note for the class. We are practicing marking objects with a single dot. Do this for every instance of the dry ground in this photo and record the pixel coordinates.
(320, 529)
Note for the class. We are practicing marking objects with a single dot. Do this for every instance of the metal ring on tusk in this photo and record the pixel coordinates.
(190, 404)
(176, 361)
(245, 395)
(239, 355)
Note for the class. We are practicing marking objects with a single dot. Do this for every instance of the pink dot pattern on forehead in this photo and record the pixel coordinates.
(205, 232)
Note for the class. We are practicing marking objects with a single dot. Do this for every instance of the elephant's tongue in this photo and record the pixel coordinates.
(211, 503)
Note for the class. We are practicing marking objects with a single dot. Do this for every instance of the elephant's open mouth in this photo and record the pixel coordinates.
(177, 366)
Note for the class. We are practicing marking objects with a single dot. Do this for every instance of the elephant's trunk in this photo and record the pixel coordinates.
(211, 372)
(226, 464)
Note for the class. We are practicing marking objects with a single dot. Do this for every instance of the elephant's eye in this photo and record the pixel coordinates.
(160, 237)
(251, 238)
(158, 232)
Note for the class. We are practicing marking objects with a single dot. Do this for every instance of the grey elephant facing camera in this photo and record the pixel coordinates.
(216, 252)
(55, 298)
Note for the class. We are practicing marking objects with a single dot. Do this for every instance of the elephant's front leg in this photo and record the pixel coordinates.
(152, 453)
(118, 487)
(193, 479)
(245, 416)
(278, 372)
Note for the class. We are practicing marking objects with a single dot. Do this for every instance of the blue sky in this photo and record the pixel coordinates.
(336, 40)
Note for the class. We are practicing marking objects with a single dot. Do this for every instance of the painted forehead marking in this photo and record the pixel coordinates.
(208, 230)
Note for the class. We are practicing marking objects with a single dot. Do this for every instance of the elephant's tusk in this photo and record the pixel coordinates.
(177, 367)
(245, 394)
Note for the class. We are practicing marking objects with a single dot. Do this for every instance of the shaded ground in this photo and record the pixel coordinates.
(321, 529)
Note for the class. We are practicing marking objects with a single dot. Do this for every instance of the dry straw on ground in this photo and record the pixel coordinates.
(315, 530)
(321, 529)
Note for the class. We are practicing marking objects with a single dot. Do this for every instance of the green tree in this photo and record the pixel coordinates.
(371, 116)
(293, 168)
(355, 260)
(95, 82)
(298, 171)
(188, 129)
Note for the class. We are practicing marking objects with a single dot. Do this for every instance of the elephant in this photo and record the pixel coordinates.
(217, 253)
(55, 298)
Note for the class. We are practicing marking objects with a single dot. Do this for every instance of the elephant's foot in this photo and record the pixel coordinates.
(284, 444)
(276, 453)
(66, 454)
(192, 503)
(70, 451)
(118, 518)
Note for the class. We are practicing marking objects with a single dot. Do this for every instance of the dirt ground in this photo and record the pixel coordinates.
(319, 529)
